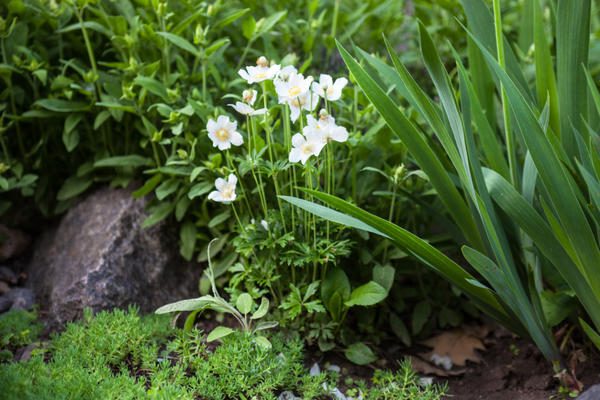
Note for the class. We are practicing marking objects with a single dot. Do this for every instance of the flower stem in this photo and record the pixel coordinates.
(240, 180)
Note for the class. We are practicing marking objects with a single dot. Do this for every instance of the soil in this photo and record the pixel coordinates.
(514, 369)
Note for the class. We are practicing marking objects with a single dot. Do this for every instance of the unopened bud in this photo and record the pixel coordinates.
(262, 62)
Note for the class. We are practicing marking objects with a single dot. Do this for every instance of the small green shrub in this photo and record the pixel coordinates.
(120, 355)
(18, 328)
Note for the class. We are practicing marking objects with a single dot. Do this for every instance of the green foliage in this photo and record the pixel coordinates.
(121, 355)
(551, 238)
(18, 328)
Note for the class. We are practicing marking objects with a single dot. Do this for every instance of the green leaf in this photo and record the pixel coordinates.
(166, 188)
(70, 134)
(159, 213)
(360, 354)
(58, 105)
(249, 27)
(152, 85)
(218, 333)
(123, 161)
(244, 303)
(400, 330)
(262, 309)
(200, 189)
(187, 237)
(263, 342)
(384, 275)
(219, 219)
(572, 46)
(186, 305)
(367, 295)
(420, 316)
(73, 186)
(231, 18)
(148, 186)
(591, 333)
(180, 42)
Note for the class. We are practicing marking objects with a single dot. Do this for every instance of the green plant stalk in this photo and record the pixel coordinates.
(287, 138)
(508, 132)
(257, 181)
(240, 180)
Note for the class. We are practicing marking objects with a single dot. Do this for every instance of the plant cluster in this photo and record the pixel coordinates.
(517, 167)
(133, 357)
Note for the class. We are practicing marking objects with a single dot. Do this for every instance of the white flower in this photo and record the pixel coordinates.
(225, 192)
(264, 224)
(308, 102)
(285, 73)
(305, 146)
(262, 71)
(295, 86)
(325, 127)
(329, 90)
(245, 109)
(295, 92)
(249, 96)
(223, 133)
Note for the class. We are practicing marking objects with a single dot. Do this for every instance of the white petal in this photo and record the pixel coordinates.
(215, 196)
(244, 74)
(340, 83)
(211, 125)
(232, 179)
(325, 80)
(236, 138)
(318, 89)
(339, 134)
(222, 121)
(242, 108)
(220, 183)
(224, 145)
(260, 111)
(295, 112)
(295, 155)
(298, 140)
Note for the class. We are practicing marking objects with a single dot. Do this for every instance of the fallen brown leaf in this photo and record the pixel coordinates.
(460, 345)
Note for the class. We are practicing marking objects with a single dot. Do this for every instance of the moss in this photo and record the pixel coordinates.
(121, 355)
(18, 328)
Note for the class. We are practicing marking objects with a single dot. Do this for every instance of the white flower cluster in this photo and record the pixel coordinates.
(298, 93)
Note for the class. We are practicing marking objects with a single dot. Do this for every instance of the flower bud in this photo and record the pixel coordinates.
(262, 62)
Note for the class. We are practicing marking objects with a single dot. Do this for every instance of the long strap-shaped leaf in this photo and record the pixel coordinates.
(419, 148)
(560, 187)
(419, 248)
(572, 44)
(524, 215)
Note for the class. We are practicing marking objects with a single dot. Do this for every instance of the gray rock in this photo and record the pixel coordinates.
(592, 393)
(100, 257)
(17, 299)
(22, 299)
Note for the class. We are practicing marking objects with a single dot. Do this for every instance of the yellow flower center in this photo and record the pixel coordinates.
(294, 91)
(260, 75)
(307, 148)
(228, 192)
(222, 134)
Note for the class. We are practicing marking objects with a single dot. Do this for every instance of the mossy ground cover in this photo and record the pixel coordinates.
(122, 355)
